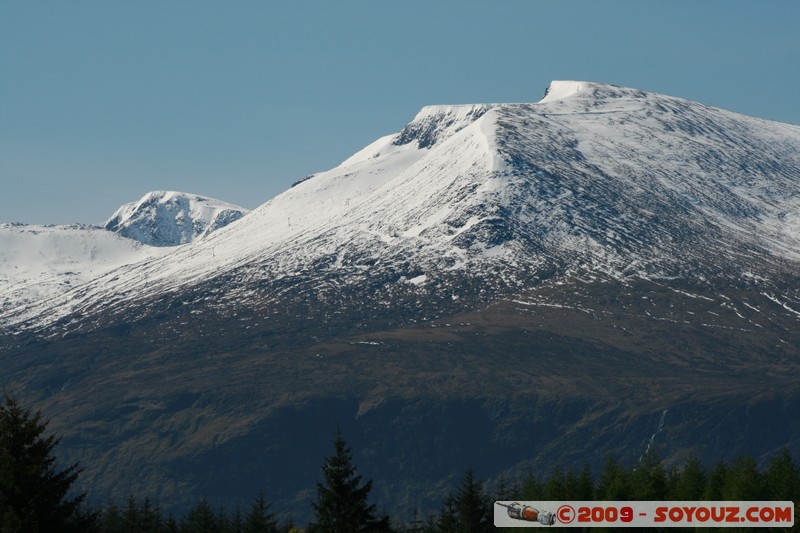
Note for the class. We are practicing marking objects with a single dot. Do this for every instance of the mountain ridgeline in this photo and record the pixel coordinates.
(507, 285)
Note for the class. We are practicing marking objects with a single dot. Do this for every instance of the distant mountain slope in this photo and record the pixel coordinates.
(169, 218)
(40, 262)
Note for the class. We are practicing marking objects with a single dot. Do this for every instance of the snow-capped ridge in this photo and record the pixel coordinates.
(560, 89)
(592, 93)
(437, 122)
(41, 262)
(170, 218)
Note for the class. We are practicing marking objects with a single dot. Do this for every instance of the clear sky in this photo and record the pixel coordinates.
(103, 101)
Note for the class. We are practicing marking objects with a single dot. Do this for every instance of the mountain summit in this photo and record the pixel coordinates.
(169, 218)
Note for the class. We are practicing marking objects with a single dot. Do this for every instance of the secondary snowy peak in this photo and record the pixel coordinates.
(169, 218)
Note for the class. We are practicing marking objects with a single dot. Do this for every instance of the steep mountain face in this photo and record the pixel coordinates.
(506, 285)
(169, 218)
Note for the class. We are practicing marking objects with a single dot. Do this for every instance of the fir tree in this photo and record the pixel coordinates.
(504, 491)
(171, 525)
(237, 524)
(584, 489)
(341, 505)
(570, 485)
(33, 492)
(431, 525)
(783, 479)
(111, 519)
(614, 483)
(555, 488)
(744, 481)
(448, 516)
(688, 484)
(717, 480)
(648, 479)
(532, 488)
(469, 509)
(130, 518)
(200, 519)
(782, 483)
(417, 524)
(259, 519)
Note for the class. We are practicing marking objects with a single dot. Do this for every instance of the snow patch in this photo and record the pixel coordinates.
(418, 280)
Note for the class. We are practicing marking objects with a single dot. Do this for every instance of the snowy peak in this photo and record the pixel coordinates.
(436, 123)
(169, 218)
(588, 94)
(559, 89)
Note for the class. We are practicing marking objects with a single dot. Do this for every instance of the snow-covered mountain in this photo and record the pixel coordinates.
(39, 262)
(603, 271)
(169, 218)
(593, 180)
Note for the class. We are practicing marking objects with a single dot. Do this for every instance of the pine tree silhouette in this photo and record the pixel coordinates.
(33, 492)
(341, 505)
(259, 519)
(469, 510)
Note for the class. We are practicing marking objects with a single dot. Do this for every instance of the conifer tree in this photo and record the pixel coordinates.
(783, 479)
(570, 485)
(448, 516)
(259, 519)
(171, 525)
(200, 519)
(555, 488)
(111, 520)
(717, 480)
(584, 489)
(150, 516)
(613, 483)
(504, 491)
(33, 492)
(469, 509)
(648, 479)
(689, 483)
(130, 517)
(417, 524)
(236, 523)
(341, 505)
(782, 483)
(531, 488)
(744, 481)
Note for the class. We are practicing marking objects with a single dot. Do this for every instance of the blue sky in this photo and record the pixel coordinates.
(103, 101)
